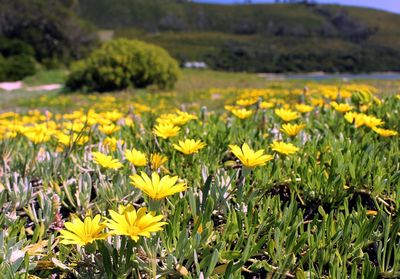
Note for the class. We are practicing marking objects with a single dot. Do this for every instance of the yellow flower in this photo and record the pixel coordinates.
(284, 148)
(266, 105)
(384, 132)
(372, 121)
(242, 113)
(230, 108)
(136, 158)
(157, 160)
(74, 126)
(341, 107)
(134, 223)
(106, 161)
(364, 108)
(82, 233)
(287, 114)
(189, 146)
(68, 140)
(112, 115)
(111, 143)
(330, 92)
(155, 187)
(246, 102)
(303, 108)
(352, 116)
(167, 130)
(128, 121)
(248, 157)
(361, 119)
(317, 102)
(178, 119)
(185, 115)
(39, 133)
(109, 129)
(292, 129)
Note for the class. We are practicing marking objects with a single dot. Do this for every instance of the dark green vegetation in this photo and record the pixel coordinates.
(258, 38)
(255, 38)
(50, 27)
(16, 59)
(120, 64)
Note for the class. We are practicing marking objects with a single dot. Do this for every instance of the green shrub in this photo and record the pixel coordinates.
(51, 27)
(2, 68)
(10, 47)
(16, 60)
(121, 64)
(20, 66)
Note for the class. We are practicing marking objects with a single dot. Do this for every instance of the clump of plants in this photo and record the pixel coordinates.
(121, 64)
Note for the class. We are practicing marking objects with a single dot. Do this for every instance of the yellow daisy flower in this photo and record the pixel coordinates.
(155, 187)
(303, 108)
(189, 146)
(284, 148)
(134, 223)
(157, 160)
(384, 132)
(106, 161)
(109, 129)
(287, 114)
(136, 158)
(341, 107)
(249, 157)
(166, 130)
(242, 113)
(82, 233)
(292, 129)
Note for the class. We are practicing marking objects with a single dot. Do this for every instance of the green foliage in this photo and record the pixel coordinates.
(11, 47)
(16, 60)
(329, 211)
(49, 27)
(258, 38)
(237, 56)
(121, 64)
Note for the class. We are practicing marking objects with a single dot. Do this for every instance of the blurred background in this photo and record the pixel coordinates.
(248, 36)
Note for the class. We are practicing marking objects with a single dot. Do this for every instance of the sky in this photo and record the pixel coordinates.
(388, 5)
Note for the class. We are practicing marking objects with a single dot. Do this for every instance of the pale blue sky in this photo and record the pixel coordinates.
(388, 5)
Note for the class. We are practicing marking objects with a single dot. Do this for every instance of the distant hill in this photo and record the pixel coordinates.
(258, 37)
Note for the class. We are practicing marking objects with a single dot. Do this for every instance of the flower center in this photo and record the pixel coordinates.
(133, 230)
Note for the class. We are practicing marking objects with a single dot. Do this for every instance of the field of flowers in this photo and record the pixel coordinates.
(280, 182)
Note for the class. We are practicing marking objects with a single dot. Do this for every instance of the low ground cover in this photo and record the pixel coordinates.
(281, 180)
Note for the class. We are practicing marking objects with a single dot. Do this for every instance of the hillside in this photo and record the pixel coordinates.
(259, 38)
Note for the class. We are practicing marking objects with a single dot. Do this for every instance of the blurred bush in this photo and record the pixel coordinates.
(50, 27)
(121, 64)
(16, 60)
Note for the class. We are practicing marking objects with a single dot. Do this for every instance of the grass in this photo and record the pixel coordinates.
(192, 81)
(46, 77)
(190, 85)
(11, 100)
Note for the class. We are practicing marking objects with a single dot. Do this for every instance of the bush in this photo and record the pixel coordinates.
(123, 63)
(19, 67)
(16, 60)
(10, 47)
(50, 27)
